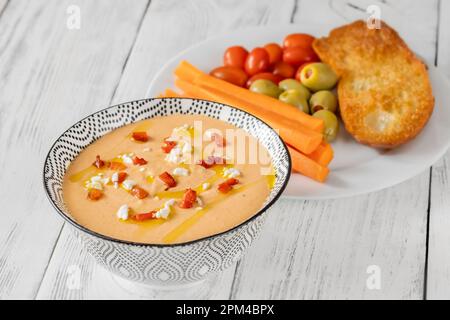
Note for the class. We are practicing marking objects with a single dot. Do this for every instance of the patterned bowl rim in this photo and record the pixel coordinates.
(141, 244)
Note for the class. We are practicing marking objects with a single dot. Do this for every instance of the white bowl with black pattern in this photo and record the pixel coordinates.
(169, 264)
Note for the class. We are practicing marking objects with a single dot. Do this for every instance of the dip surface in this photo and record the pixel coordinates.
(160, 216)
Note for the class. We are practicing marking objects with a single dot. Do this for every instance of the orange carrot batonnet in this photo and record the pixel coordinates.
(323, 154)
(304, 139)
(188, 72)
(307, 167)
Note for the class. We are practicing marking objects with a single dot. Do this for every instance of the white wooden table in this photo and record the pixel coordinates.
(52, 75)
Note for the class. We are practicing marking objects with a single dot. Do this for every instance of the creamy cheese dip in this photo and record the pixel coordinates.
(121, 193)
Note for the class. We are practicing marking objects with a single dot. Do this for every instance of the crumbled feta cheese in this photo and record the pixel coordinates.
(206, 186)
(96, 178)
(174, 155)
(162, 213)
(187, 148)
(127, 159)
(169, 203)
(183, 149)
(199, 208)
(180, 172)
(231, 172)
(96, 182)
(146, 149)
(156, 198)
(199, 201)
(122, 213)
(128, 184)
(95, 185)
(142, 169)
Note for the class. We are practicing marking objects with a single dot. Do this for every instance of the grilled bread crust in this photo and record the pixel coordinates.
(384, 92)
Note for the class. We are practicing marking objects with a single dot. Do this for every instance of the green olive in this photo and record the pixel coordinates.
(331, 124)
(265, 87)
(318, 76)
(323, 100)
(289, 84)
(295, 98)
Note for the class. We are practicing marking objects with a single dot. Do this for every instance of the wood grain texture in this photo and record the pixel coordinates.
(50, 77)
(438, 277)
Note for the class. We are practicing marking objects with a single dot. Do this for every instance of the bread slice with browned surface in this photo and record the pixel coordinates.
(384, 92)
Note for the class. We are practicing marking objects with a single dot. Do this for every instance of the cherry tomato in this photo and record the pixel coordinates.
(235, 57)
(265, 75)
(298, 40)
(283, 69)
(233, 75)
(275, 52)
(298, 56)
(299, 70)
(257, 61)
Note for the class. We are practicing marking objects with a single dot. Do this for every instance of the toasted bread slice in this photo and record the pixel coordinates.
(384, 93)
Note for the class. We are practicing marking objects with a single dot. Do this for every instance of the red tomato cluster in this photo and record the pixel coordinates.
(271, 62)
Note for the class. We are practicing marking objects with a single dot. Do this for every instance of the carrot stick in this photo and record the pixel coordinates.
(301, 138)
(192, 74)
(308, 167)
(187, 71)
(323, 154)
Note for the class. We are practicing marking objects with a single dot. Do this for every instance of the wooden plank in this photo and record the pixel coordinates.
(438, 276)
(169, 26)
(50, 76)
(73, 274)
(322, 250)
(3, 4)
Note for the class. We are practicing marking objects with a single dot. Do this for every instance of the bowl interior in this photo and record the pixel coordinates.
(91, 128)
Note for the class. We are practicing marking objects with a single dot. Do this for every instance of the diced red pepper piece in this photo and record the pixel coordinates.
(144, 216)
(218, 139)
(141, 136)
(211, 161)
(189, 198)
(139, 193)
(99, 163)
(121, 177)
(167, 146)
(232, 181)
(94, 194)
(139, 161)
(226, 186)
(168, 179)
(115, 165)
